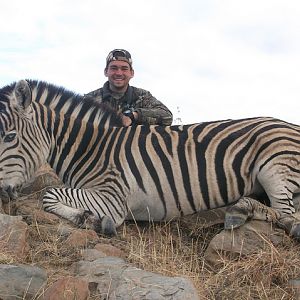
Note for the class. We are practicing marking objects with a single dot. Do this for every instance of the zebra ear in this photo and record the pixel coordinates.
(23, 94)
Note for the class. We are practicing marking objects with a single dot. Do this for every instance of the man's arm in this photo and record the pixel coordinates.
(152, 111)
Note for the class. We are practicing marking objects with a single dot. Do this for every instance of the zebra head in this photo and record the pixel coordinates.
(21, 147)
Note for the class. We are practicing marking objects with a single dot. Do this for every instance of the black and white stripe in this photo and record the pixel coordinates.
(150, 172)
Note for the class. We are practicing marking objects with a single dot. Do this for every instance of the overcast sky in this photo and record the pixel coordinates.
(214, 59)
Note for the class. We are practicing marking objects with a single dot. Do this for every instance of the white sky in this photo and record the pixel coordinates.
(214, 59)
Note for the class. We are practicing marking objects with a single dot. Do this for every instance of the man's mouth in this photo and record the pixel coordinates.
(118, 78)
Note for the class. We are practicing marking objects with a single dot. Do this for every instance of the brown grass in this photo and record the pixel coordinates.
(171, 250)
(176, 249)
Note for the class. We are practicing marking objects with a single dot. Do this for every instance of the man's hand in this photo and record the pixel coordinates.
(127, 120)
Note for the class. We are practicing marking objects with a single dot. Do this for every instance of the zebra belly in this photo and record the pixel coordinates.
(151, 207)
(145, 208)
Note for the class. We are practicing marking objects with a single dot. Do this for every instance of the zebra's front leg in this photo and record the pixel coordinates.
(83, 218)
(85, 208)
(248, 208)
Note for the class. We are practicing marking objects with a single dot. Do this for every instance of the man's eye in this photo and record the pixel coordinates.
(9, 137)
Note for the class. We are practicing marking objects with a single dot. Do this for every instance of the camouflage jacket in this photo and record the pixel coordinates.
(150, 110)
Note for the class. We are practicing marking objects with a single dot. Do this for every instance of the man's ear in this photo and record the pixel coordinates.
(132, 73)
(23, 94)
(105, 72)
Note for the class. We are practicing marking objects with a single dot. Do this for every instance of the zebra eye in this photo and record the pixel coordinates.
(9, 137)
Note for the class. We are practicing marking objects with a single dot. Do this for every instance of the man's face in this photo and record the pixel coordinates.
(119, 74)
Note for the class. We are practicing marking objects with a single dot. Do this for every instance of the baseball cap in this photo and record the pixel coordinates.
(119, 54)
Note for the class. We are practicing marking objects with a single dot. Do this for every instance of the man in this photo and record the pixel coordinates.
(136, 105)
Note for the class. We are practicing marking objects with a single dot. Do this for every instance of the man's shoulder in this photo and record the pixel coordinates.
(140, 91)
(95, 93)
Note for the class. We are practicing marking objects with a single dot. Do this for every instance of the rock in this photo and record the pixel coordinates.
(81, 237)
(45, 177)
(68, 288)
(110, 250)
(247, 239)
(203, 219)
(13, 235)
(65, 230)
(91, 254)
(32, 211)
(113, 278)
(203, 225)
(295, 285)
(21, 282)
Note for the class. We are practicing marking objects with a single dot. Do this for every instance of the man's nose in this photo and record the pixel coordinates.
(119, 71)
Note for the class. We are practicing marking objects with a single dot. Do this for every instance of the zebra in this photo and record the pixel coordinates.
(145, 172)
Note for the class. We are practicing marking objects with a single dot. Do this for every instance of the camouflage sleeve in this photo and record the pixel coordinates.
(152, 111)
(96, 94)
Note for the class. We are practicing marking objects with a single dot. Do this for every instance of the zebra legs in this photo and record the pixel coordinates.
(281, 183)
(248, 208)
(75, 206)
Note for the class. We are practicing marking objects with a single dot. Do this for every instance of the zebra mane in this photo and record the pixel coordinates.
(68, 102)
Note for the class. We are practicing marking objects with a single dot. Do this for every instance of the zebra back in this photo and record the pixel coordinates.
(67, 102)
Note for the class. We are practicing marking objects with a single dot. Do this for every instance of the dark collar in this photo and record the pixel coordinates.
(107, 93)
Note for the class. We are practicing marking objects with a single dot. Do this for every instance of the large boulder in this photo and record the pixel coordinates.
(13, 236)
(113, 278)
(21, 282)
(252, 237)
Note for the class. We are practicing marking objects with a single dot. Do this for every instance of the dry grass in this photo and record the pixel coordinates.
(176, 249)
(49, 251)
(171, 250)
(263, 275)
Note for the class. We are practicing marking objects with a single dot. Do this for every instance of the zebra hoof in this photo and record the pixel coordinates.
(295, 232)
(85, 219)
(235, 216)
(232, 221)
(291, 225)
(107, 226)
(103, 226)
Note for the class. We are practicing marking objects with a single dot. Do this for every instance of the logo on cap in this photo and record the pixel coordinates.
(119, 54)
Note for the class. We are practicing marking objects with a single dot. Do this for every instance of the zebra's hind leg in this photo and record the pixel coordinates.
(248, 208)
(58, 201)
(291, 224)
(293, 221)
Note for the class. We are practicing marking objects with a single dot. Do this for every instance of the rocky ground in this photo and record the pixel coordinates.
(45, 257)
